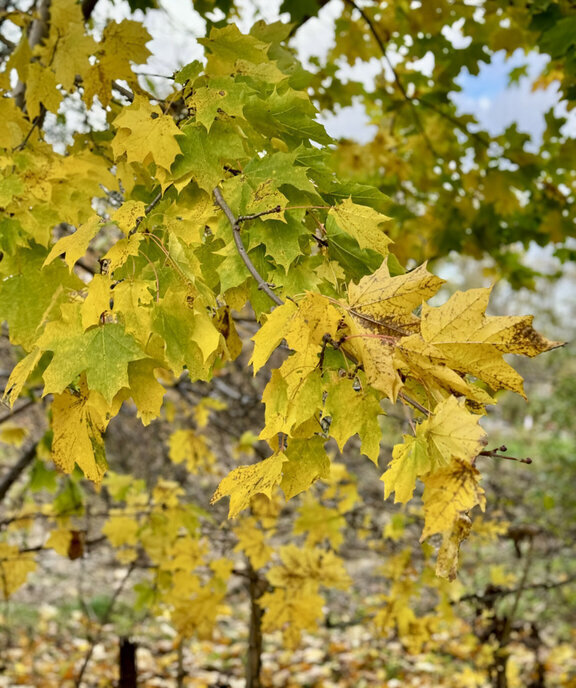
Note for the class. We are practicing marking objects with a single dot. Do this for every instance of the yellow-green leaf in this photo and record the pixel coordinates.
(244, 482)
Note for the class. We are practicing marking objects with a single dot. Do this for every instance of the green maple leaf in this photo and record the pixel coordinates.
(282, 169)
(29, 298)
(354, 412)
(222, 94)
(307, 461)
(204, 155)
(289, 115)
(102, 352)
(190, 337)
(225, 46)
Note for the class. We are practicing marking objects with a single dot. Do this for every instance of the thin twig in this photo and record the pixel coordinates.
(38, 121)
(17, 469)
(496, 454)
(414, 403)
(504, 592)
(147, 210)
(395, 74)
(105, 619)
(245, 218)
(235, 223)
(123, 91)
(16, 411)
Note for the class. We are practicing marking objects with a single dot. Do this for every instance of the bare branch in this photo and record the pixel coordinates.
(87, 8)
(17, 469)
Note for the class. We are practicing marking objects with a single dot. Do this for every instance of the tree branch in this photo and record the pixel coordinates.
(235, 223)
(395, 74)
(87, 8)
(504, 592)
(38, 30)
(17, 469)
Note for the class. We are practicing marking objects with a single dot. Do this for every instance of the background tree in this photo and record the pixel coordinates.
(140, 259)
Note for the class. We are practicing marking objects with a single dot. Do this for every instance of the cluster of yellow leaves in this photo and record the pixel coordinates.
(187, 578)
(295, 603)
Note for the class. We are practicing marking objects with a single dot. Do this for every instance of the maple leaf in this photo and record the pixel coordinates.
(15, 566)
(145, 390)
(449, 492)
(97, 301)
(451, 431)
(28, 297)
(221, 94)
(42, 89)
(102, 352)
(307, 462)
(78, 422)
(146, 135)
(363, 223)
(191, 448)
(121, 44)
(291, 611)
(252, 541)
(75, 245)
(127, 215)
(190, 334)
(320, 522)
(204, 156)
(447, 562)
(380, 313)
(244, 482)
(353, 412)
(468, 341)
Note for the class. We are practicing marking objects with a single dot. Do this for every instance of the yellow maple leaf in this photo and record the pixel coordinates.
(473, 343)
(381, 313)
(197, 616)
(145, 390)
(97, 302)
(363, 223)
(191, 448)
(59, 540)
(22, 371)
(14, 568)
(448, 493)
(291, 611)
(451, 431)
(75, 245)
(146, 135)
(303, 565)
(252, 541)
(78, 421)
(244, 482)
(13, 434)
(41, 89)
(307, 462)
(127, 215)
(447, 562)
(121, 44)
(319, 522)
(69, 45)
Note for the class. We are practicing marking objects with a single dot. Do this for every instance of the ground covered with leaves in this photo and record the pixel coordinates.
(47, 646)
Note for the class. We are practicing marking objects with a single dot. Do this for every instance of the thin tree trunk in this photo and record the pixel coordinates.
(256, 587)
(128, 670)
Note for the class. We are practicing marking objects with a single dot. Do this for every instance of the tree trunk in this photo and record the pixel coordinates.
(128, 671)
(256, 587)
